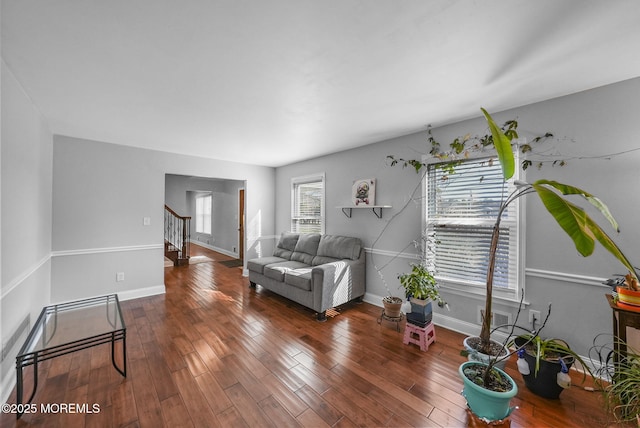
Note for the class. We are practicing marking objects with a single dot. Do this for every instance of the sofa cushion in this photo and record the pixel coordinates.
(286, 245)
(257, 265)
(276, 271)
(320, 260)
(299, 278)
(306, 248)
(339, 247)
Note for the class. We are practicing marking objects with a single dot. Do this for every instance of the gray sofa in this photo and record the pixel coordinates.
(317, 271)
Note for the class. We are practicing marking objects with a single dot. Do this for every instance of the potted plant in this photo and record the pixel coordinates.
(623, 394)
(544, 362)
(392, 306)
(421, 289)
(487, 389)
(628, 293)
(573, 219)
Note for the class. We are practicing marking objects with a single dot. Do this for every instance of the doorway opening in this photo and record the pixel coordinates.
(226, 232)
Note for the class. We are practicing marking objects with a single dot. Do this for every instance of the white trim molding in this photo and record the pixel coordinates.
(392, 254)
(20, 278)
(141, 292)
(566, 277)
(216, 249)
(87, 251)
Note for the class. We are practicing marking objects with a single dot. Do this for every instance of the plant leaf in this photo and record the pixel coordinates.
(571, 218)
(608, 243)
(502, 143)
(566, 189)
(582, 229)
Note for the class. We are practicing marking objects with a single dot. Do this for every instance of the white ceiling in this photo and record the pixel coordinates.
(272, 82)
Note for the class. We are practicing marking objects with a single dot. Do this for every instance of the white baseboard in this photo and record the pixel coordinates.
(141, 292)
(216, 249)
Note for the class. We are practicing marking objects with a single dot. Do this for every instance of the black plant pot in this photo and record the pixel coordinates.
(545, 383)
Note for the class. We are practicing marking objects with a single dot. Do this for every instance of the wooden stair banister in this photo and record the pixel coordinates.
(177, 233)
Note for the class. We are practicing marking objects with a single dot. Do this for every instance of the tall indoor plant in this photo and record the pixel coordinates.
(573, 219)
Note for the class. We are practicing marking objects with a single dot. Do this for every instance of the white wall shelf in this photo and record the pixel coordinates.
(347, 210)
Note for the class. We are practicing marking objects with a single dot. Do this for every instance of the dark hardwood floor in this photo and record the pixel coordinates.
(214, 352)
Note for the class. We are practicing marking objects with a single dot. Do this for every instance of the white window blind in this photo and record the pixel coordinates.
(462, 207)
(307, 204)
(203, 213)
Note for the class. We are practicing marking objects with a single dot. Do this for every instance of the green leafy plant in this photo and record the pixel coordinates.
(552, 350)
(624, 393)
(421, 284)
(573, 219)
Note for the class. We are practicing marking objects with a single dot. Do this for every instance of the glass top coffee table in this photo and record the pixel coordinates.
(69, 327)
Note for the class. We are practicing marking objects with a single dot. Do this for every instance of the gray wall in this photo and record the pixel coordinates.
(180, 193)
(593, 123)
(103, 191)
(25, 199)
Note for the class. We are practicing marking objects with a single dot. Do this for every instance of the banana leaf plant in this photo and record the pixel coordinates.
(573, 219)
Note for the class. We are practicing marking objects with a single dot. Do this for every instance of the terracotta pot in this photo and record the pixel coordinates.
(392, 306)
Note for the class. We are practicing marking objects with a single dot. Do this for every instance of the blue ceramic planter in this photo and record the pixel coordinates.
(486, 404)
(421, 312)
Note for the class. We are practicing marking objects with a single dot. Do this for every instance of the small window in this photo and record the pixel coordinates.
(461, 208)
(307, 204)
(203, 213)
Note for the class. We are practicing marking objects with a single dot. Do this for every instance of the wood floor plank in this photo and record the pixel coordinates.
(159, 372)
(123, 404)
(284, 395)
(213, 393)
(174, 413)
(247, 407)
(212, 351)
(319, 405)
(231, 418)
(311, 419)
(146, 397)
(194, 401)
(223, 374)
(351, 407)
(277, 413)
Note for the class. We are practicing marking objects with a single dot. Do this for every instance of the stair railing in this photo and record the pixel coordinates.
(177, 234)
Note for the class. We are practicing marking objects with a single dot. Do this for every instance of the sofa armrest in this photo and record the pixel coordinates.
(337, 282)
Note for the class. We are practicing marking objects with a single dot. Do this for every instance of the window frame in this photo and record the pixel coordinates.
(307, 179)
(207, 225)
(512, 294)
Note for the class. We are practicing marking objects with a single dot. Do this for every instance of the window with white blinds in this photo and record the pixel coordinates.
(462, 204)
(307, 204)
(203, 213)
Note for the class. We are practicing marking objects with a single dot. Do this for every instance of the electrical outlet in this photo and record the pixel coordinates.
(534, 315)
(120, 276)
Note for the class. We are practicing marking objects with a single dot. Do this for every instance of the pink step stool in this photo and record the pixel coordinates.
(421, 336)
